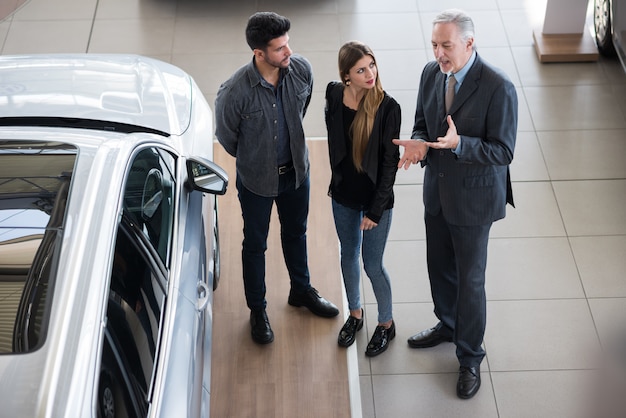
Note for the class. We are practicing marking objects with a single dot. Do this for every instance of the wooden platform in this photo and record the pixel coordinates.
(565, 47)
(303, 373)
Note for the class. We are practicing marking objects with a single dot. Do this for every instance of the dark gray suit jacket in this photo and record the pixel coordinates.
(471, 188)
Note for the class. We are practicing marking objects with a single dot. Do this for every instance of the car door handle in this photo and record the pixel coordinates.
(203, 295)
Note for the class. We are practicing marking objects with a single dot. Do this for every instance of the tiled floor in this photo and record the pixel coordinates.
(556, 280)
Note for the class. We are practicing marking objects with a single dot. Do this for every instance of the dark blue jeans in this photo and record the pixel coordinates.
(292, 206)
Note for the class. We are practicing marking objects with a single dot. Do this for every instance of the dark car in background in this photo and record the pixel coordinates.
(610, 27)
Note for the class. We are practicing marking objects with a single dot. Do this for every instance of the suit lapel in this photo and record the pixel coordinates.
(440, 80)
(469, 86)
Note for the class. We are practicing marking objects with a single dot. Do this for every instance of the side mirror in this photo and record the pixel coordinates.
(206, 176)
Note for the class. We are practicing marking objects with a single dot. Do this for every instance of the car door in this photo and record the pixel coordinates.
(139, 285)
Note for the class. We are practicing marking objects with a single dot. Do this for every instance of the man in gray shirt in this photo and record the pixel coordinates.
(259, 112)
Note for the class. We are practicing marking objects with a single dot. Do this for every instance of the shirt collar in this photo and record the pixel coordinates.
(261, 80)
(460, 75)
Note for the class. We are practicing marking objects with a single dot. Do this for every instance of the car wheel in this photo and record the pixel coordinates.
(106, 396)
(602, 26)
(216, 248)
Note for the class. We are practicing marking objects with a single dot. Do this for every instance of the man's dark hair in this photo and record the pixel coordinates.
(263, 27)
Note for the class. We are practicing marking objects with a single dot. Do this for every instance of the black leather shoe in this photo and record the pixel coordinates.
(347, 335)
(469, 382)
(261, 331)
(312, 300)
(428, 338)
(380, 340)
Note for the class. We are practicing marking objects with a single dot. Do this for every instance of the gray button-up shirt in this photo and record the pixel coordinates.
(246, 114)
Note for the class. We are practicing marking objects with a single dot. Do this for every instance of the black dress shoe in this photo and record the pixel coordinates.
(380, 340)
(469, 382)
(261, 331)
(428, 338)
(347, 335)
(312, 300)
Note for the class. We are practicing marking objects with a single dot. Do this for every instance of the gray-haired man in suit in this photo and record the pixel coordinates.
(466, 152)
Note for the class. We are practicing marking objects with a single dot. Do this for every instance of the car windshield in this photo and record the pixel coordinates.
(34, 183)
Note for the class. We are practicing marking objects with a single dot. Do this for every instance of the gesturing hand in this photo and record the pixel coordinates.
(414, 152)
(450, 140)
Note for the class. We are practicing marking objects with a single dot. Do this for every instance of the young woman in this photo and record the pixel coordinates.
(362, 120)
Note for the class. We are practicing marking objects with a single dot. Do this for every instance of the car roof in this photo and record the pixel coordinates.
(130, 90)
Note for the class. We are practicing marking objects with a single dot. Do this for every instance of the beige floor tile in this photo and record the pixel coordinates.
(4, 30)
(211, 70)
(146, 37)
(501, 57)
(315, 32)
(408, 213)
(407, 99)
(524, 119)
(518, 24)
(216, 8)
(376, 6)
(399, 358)
(205, 35)
(609, 315)
(532, 268)
(536, 213)
(430, 395)
(414, 175)
(367, 398)
(602, 265)
(325, 68)
(290, 8)
(314, 125)
(469, 6)
(135, 9)
(57, 10)
(380, 30)
(401, 69)
(41, 37)
(574, 107)
(405, 262)
(567, 154)
(533, 73)
(528, 160)
(594, 207)
(559, 393)
(541, 335)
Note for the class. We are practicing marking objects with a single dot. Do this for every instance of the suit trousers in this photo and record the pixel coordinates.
(457, 259)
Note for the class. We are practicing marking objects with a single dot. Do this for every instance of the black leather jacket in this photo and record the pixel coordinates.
(380, 161)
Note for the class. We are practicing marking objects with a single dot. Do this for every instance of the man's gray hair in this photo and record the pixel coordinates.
(462, 21)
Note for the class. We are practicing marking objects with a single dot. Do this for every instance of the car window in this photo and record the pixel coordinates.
(133, 320)
(148, 197)
(138, 286)
(35, 179)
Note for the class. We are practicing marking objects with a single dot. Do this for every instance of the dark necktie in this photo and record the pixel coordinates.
(450, 91)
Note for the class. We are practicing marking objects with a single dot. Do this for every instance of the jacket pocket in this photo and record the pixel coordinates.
(479, 181)
(252, 123)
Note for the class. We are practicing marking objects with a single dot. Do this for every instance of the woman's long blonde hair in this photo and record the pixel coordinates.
(349, 54)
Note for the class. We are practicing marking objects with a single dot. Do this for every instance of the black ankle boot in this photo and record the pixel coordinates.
(347, 335)
(380, 340)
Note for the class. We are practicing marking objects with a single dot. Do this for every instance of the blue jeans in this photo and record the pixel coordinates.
(372, 245)
(293, 209)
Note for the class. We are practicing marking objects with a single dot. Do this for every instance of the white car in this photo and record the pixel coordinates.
(109, 246)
